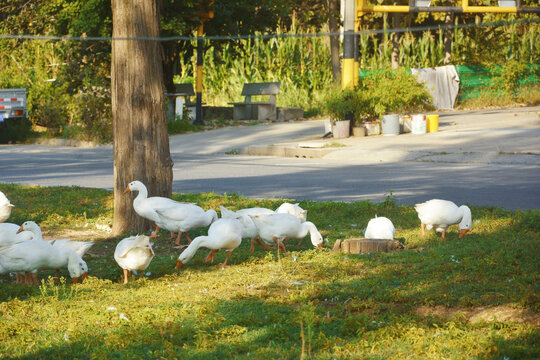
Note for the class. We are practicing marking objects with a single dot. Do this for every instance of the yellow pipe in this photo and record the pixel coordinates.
(489, 9)
(405, 9)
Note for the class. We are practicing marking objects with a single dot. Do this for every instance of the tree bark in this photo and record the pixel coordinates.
(333, 26)
(140, 138)
(447, 39)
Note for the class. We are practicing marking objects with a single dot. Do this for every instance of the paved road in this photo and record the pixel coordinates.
(507, 179)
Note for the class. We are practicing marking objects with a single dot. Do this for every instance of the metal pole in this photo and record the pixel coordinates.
(347, 81)
(198, 90)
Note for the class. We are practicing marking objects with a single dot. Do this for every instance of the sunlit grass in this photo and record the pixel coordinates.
(420, 303)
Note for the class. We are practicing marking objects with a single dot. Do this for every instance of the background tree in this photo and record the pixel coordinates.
(141, 142)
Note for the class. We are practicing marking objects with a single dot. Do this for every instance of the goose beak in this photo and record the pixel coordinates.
(179, 264)
(319, 246)
(83, 276)
(127, 189)
(463, 232)
(21, 229)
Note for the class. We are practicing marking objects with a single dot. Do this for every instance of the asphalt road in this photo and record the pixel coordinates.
(504, 185)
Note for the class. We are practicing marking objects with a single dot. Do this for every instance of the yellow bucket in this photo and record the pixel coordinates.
(432, 123)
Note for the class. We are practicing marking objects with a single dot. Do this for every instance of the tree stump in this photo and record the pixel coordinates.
(364, 246)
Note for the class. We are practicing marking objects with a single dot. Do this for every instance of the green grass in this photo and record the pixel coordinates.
(434, 300)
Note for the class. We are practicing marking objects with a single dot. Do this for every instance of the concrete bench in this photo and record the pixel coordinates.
(259, 110)
(179, 98)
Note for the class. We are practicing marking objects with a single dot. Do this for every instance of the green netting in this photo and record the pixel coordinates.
(477, 78)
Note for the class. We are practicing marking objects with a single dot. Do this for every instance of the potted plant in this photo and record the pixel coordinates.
(388, 93)
(340, 107)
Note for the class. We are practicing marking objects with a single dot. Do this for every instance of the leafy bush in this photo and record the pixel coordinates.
(382, 92)
(390, 91)
(341, 104)
(508, 77)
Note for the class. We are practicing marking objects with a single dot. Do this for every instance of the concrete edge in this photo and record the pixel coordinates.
(287, 151)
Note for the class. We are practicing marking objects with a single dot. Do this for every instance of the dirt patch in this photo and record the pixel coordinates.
(478, 314)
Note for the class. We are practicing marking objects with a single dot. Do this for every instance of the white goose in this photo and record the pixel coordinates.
(380, 228)
(80, 247)
(32, 255)
(134, 253)
(293, 209)
(182, 218)
(9, 234)
(250, 230)
(146, 206)
(222, 234)
(440, 214)
(274, 228)
(5, 207)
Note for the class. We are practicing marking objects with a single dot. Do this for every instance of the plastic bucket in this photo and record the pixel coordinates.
(390, 124)
(405, 123)
(341, 129)
(432, 123)
(418, 124)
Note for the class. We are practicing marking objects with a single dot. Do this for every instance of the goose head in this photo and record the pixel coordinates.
(135, 186)
(33, 228)
(466, 220)
(77, 269)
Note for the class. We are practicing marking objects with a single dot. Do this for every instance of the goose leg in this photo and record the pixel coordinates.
(443, 234)
(423, 227)
(126, 275)
(27, 278)
(210, 256)
(252, 248)
(172, 235)
(188, 238)
(279, 244)
(259, 241)
(35, 280)
(299, 242)
(154, 234)
(177, 242)
(224, 265)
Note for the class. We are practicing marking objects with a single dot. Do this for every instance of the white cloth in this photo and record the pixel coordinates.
(442, 83)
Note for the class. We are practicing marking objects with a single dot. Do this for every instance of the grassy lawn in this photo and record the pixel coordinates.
(470, 298)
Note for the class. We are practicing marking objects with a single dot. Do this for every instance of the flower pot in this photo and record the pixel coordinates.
(432, 123)
(359, 131)
(341, 129)
(405, 123)
(390, 124)
(372, 128)
(418, 124)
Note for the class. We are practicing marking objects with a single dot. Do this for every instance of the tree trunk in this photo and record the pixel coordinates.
(333, 11)
(141, 141)
(447, 39)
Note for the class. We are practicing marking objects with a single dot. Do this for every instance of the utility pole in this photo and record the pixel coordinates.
(205, 13)
(347, 81)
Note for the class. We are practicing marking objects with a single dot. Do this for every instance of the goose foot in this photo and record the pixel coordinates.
(210, 256)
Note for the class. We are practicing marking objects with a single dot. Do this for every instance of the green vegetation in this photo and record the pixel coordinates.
(68, 82)
(474, 298)
(380, 92)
